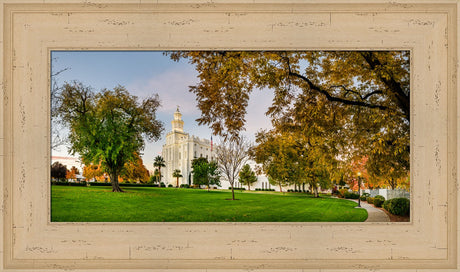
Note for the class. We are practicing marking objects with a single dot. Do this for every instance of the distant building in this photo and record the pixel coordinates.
(179, 151)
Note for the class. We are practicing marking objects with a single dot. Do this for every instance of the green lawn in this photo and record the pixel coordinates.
(99, 204)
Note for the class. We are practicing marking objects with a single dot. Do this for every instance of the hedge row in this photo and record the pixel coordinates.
(265, 189)
(66, 183)
(396, 206)
(350, 195)
(298, 191)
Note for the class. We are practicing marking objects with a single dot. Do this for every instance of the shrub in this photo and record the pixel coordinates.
(342, 192)
(351, 195)
(364, 196)
(399, 206)
(170, 185)
(163, 184)
(378, 201)
(386, 205)
(184, 186)
(370, 200)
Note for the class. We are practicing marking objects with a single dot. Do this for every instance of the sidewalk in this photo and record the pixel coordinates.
(374, 214)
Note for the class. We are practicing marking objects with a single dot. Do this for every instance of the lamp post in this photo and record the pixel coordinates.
(359, 189)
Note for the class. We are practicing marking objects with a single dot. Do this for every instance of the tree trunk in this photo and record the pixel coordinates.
(281, 189)
(315, 189)
(159, 177)
(392, 184)
(114, 181)
(177, 182)
(233, 193)
(249, 187)
(303, 187)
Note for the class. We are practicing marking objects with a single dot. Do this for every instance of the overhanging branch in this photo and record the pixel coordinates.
(336, 99)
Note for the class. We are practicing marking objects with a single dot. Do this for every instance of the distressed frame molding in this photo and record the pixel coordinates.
(30, 30)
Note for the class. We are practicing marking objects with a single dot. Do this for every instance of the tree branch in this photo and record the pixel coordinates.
(394, 86)
(327, 94)
(333, 98)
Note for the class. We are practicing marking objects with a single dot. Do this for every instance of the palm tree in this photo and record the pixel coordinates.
(159, 162)
(177, 175)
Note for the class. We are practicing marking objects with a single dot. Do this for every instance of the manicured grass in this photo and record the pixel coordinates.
(99, 204)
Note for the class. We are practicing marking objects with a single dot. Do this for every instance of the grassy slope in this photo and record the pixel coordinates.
(99, 204)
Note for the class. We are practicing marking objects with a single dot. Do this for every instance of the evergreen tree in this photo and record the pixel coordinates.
(247, 176)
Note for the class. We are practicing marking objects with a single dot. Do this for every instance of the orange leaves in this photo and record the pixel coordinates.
(72, 173)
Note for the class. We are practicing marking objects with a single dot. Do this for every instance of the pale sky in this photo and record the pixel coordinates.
(144, 73)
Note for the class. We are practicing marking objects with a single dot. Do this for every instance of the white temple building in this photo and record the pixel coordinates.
(181, 148)
(179, 151)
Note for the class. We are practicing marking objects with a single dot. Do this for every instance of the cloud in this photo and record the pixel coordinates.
(173, 88)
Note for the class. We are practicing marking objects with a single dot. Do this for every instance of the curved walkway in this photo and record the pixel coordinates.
(374, 214)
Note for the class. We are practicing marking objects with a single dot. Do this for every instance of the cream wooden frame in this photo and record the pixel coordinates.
(32, 28)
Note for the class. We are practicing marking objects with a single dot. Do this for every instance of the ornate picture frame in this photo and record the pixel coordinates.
(32, 29)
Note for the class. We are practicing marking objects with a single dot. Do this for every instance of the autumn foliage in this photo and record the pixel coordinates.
(340, 105)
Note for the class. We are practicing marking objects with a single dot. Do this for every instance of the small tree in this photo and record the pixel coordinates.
(135, 170)
(159, 162)
(205, 173)
(58, 171)
(72, 173)
(231, 155)
(92, 171)
(176, 173)
(156, 177)
(247, 176)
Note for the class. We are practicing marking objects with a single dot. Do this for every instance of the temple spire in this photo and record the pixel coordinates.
(177, 123)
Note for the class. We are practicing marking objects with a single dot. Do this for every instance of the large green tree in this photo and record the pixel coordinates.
(289, 158)
(276, 154)
(364, 95)
(109, 126)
